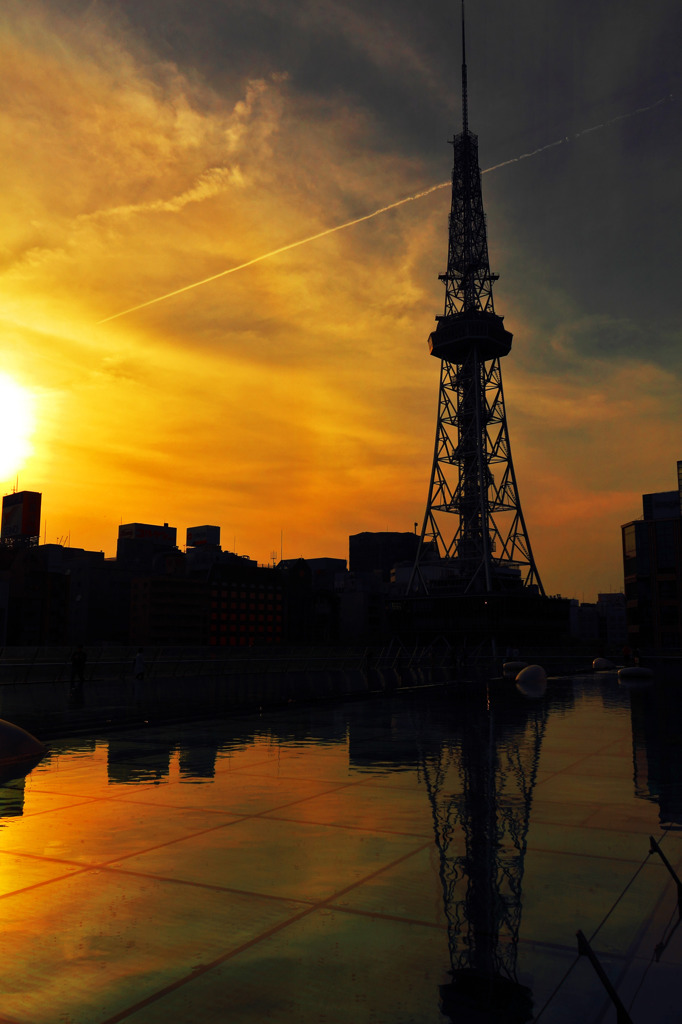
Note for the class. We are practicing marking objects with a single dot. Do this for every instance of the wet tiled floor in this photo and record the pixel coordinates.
(334, 863)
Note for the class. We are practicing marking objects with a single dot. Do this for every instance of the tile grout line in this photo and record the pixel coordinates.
(236, 819)
(215, 828)
(273, 816)
(110, 864)
(47, 881)
(199, 971)
(111, 868)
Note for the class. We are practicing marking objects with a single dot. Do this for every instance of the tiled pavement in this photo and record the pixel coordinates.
(284, 867)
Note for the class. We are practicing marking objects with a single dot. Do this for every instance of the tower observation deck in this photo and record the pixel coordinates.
(473, 538)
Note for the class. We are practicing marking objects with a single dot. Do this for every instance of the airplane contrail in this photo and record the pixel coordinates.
(577, 135)
(382, 209)
(276, 252)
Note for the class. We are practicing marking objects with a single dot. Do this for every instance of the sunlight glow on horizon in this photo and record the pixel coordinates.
(297, 399)
(17, 423)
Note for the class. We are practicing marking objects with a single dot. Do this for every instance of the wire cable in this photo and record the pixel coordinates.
(594, 935)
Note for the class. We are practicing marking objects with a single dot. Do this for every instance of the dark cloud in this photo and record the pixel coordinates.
(603, 339)
(150, 144)
(541, 62)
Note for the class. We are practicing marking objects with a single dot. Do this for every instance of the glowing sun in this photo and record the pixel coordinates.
(16, 426)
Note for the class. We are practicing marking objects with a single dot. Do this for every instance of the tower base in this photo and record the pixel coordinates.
(469, 621)
(478, 999)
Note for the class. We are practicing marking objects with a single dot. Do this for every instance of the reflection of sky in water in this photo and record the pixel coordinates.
(344, 859)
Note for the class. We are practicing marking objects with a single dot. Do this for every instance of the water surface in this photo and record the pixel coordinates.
(359, 862)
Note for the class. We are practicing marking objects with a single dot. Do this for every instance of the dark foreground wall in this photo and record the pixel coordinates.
(38, 693)
(51, 707)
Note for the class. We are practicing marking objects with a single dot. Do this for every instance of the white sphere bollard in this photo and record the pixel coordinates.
(512, 668)
(532, 681)
(17, 745)
(635, 675)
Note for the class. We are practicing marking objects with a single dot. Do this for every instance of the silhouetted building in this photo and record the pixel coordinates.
(203, 537)
(600, 628)
(21, 518)
(664, 505)
(363, 607)
(246, 603)
(4, 601)
(585, 624)
(613, 626)
(110, 604)
(247, 612)
(140, 543)
(169, 610)
(207, 597)
(652, 567)
(371, 552)
(324, 572)
(51, 592)
(312, 603)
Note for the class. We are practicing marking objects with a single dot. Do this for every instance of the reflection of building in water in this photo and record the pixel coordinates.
(13, 785)
(197, 756)
(390, 740)
(323, 723)
(130, 763)
(656, 714)
(480, 783)
(11, 798)
(77, 745)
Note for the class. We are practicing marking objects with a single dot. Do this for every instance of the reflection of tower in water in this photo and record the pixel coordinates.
(480, 783)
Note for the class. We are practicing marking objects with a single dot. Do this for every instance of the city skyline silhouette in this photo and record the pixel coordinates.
(295, 399)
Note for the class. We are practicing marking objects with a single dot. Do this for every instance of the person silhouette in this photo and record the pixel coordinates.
(138, 664)
(78, 661)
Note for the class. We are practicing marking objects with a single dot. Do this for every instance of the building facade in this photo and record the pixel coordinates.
(652, 569)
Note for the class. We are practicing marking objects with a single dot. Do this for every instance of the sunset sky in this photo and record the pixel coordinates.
(150, 144)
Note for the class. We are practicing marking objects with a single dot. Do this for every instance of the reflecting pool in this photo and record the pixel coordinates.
(425, 857)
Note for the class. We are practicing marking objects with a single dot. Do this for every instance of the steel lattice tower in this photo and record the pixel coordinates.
(474, 537)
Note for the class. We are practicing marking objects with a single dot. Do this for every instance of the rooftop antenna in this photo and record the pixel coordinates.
(465, 101)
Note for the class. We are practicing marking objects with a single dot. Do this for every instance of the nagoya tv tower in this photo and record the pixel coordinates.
(474, 537)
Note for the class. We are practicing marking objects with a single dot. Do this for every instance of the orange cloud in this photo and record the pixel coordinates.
(267, 401)
(297, 394)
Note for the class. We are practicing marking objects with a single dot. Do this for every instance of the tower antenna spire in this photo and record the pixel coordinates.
(465, 99)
